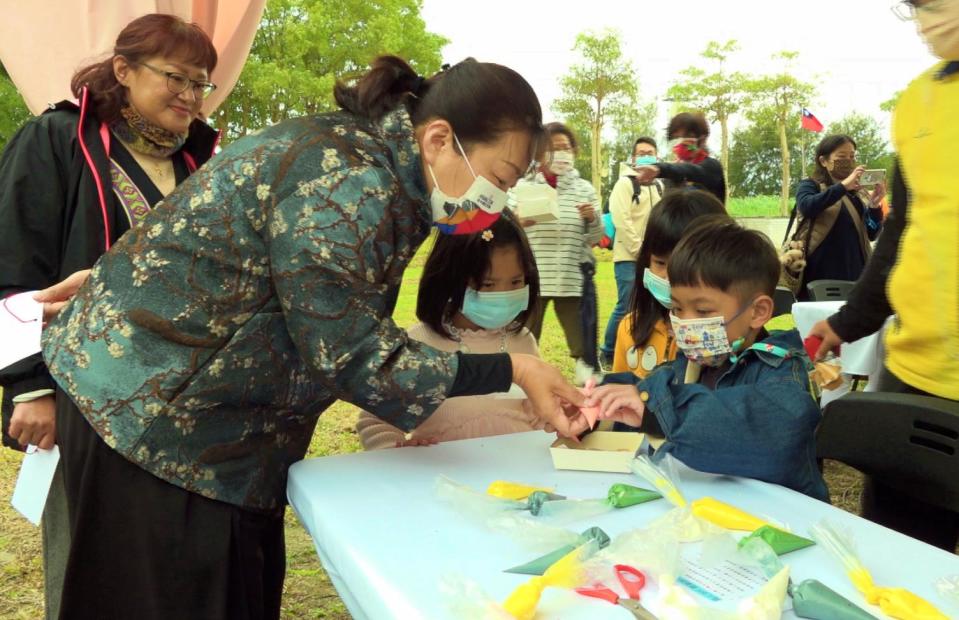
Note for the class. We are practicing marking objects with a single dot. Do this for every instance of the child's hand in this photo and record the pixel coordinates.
(416, 441)
(620, 403)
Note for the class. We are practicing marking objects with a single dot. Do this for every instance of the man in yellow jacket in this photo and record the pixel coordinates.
(914, 272)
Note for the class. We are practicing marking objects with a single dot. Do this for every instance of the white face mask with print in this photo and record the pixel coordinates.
(561, 163)
(454, 215)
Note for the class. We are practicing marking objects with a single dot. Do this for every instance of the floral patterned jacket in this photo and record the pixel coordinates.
(206, 343)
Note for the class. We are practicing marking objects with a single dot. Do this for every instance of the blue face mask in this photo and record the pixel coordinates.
(658, 287)
(493, 310)
(645, 160)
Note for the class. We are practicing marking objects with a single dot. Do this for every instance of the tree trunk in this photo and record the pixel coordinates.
(784, 147)
(724, 151)
(595, 143)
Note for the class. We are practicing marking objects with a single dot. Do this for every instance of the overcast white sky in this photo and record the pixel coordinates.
(860, 51)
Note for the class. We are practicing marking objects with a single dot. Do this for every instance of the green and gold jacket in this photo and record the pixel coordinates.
(206, 343)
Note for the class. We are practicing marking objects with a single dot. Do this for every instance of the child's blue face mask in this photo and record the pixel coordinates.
(493, 310)
(658, 288)
(645, 160)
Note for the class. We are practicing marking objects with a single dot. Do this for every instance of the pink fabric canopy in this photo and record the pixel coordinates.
(42, 43)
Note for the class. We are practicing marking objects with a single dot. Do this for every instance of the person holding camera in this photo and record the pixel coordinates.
(838, 218)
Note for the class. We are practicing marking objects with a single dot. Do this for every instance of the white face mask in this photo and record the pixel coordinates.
(939, 25)
(476, 210)
(561, 163)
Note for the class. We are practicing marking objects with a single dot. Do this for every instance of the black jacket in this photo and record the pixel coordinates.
(707, 175)
(58, 212)
(868, 306)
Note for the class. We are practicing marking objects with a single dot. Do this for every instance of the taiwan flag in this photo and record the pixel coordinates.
(810, 122)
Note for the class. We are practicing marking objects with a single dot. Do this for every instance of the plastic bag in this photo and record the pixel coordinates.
(566, 573)
(896, 602)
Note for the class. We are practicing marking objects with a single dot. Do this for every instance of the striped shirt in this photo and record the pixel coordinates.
(562, 245)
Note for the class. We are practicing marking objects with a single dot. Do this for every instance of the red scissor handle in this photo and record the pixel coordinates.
(598, 591)
(632, 580)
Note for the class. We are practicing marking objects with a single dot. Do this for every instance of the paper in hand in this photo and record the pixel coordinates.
(21, 322)
(33, 483)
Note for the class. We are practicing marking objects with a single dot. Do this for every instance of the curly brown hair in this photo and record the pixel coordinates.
(157, 34)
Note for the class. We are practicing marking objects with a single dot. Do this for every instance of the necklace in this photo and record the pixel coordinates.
(457, 335)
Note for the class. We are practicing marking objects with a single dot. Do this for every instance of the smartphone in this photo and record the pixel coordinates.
(872, 178)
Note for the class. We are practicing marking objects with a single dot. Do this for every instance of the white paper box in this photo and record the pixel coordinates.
(536, 201)
(599, 451)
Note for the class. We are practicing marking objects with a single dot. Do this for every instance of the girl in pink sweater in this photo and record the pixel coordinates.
(475, 296)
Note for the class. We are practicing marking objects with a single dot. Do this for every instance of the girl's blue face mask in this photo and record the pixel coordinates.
(494, 309)
(658, 288)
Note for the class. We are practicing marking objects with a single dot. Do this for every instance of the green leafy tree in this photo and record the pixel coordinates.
(755, 154)
(303, 46)
(719, 93)
(784, 94)
(13, 111)
(628, 122)
(889, 105)
(602, 84)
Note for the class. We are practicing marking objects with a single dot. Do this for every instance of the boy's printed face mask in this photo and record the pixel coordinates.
(476, 210)
(705, 341)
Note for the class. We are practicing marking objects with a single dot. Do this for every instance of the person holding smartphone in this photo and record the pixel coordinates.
(838, 216)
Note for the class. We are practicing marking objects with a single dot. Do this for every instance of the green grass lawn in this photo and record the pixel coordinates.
(754, 206)
(307, 592)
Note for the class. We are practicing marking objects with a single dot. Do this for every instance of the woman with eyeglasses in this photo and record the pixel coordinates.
(73, 180)
(914, 271)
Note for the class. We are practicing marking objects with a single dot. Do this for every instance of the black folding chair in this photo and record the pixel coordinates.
(829, 290)
(907, 442)
(783, 300)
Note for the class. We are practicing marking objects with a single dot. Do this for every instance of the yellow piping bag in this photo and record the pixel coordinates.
(724, 515)
(896, 602)
(513, 490)
(566, 573)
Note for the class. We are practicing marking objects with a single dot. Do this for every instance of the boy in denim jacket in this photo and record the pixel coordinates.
(736, 400)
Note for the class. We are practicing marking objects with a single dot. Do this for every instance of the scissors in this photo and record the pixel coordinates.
(633, 582)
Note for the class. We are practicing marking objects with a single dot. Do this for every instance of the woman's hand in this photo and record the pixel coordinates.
(528, 223)
(548, 392)
(587, 212)
(646, 174)
(851, 183)
(618, 402)
(57, 296)
(35, 422)
(830, 339)
(876, 195)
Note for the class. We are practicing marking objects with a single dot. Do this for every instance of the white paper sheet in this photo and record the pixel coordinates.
(21, 321)
(33, 483)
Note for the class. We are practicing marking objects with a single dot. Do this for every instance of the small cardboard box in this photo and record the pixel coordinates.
(536, 201)
(599, 451)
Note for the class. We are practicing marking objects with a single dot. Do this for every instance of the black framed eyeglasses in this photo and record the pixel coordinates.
(177, 83)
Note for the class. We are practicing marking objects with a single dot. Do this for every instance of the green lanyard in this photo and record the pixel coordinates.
(765, 348)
